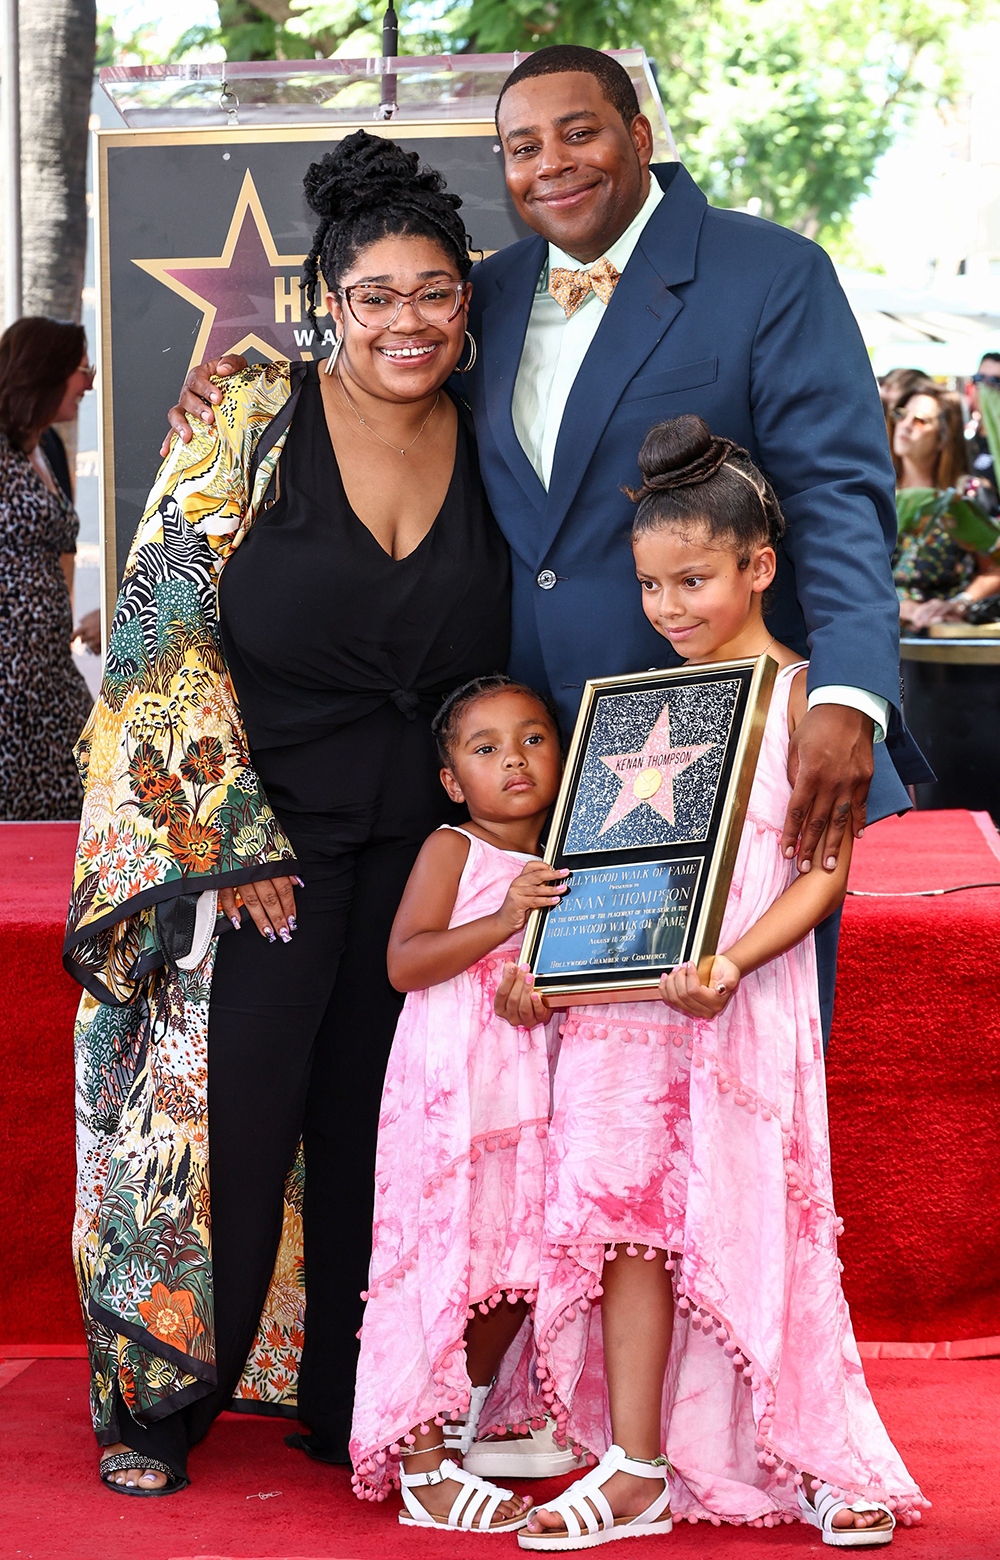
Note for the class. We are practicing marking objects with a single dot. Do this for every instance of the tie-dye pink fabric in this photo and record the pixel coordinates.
(459, 1189)
(705, 1145)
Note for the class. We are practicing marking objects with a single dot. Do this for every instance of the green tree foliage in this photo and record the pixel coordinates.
(787, 105)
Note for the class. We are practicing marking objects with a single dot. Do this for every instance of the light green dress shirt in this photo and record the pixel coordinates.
(554, 350)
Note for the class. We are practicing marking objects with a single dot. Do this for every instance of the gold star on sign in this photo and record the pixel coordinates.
(234, 290)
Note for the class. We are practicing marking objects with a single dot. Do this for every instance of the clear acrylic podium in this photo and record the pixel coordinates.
(453, 87)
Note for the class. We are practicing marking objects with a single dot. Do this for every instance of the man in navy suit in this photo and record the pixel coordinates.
(718, 313)
(684, 309)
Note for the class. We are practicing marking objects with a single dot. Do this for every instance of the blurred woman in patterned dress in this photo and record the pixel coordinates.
(44, 702)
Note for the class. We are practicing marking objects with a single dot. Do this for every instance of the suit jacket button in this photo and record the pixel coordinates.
(546, 580)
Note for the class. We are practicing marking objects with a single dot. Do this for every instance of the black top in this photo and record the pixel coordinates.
(320, 626)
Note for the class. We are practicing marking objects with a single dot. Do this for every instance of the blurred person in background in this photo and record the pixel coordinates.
(44, 701)
(937, 578)
(980, 459)
(898, 383)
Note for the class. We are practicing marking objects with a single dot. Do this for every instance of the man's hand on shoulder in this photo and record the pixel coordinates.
(199, 395)
(830, 766)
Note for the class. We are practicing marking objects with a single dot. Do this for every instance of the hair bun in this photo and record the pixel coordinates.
(366, 170)
(680, 452)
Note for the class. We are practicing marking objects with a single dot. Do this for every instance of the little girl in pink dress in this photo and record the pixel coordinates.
(460, 1166)
(690, 1298)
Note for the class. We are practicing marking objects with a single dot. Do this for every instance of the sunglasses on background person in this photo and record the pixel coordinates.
(993, 380)
(900, 414)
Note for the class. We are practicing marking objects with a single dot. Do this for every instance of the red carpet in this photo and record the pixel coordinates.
(38, 1000)
(913, 1076)
(942, 1415)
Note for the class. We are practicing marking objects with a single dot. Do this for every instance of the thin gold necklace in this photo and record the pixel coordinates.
(387, 442)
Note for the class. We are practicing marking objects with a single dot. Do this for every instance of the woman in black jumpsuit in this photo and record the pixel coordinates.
(339, 655)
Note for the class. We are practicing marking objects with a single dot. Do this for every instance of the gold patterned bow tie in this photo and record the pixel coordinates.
(570, 288)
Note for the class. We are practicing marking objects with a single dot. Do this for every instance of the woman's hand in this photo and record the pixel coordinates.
(88, 631)
(271, 903)
(199, 395)
(517, 1001)
(938, 610)
(682, 989)
(908, 611)
(533, 889)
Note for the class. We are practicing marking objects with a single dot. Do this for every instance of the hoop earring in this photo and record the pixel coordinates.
(473, 353)
(331, 362)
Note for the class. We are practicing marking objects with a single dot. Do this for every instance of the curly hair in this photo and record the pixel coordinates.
(690, 475)
(444, 726)
(365, 189)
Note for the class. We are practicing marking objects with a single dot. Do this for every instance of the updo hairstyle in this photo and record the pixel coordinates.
(365, 189)
(691, 476)
(444, 726)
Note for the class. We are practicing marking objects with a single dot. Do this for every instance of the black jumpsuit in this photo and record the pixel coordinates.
(339, 656)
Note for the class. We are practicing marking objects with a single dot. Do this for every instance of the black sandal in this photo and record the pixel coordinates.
(121, 1462)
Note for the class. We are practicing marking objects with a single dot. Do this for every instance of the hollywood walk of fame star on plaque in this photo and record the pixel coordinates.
(648, 821)
(648, 776)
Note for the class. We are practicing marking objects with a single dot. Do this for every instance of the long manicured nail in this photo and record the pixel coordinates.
(293, 924)
(268, 933)
(285, 934)
(299, 881)
(237, 923)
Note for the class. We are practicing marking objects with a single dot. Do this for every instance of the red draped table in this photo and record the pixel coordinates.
(913, 1073)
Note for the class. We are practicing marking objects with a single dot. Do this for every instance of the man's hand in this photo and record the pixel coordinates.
(199, 395)
(517, 1001)
(830, 767)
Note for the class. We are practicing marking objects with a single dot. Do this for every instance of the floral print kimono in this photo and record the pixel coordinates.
(173, 811)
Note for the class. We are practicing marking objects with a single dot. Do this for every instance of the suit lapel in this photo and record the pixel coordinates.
(639, 315)
(504, 324)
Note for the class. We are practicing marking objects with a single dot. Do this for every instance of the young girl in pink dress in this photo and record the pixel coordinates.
(689, 1185)
(460, 1167)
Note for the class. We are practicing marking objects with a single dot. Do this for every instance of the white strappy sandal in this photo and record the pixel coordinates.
(473, 1508)
(459, 1434)
(827, 1505)
(579, 1505)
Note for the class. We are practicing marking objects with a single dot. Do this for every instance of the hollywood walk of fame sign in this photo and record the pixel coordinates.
(648, 820)
(201, 238)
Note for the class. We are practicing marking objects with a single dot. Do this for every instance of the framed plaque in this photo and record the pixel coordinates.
(648, 821)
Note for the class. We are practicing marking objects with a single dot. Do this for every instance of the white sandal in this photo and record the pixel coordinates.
(473, 1508)
(827, 1504)
(577, 1508)
(459, 1434)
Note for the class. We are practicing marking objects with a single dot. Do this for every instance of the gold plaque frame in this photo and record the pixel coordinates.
(715, 852)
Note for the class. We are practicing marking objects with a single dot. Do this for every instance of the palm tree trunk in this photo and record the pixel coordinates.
(57, 73)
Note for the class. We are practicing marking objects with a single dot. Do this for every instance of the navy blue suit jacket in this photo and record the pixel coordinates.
(745, 323)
